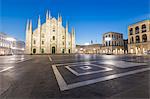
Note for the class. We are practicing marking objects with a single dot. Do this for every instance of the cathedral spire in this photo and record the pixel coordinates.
(73, 31)
(59, 17)
(47, 15)
(67, 25)
(27, 26)
(30, 25)
(39, 21)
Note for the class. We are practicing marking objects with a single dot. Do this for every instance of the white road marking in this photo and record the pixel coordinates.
(75, 63)
(122, 64)
(61, 82)
(63, 85)
(86, 67)
(6, 69)
(74, 72)
(23, 60)
(14, 60)
(49, 58)
(90, 72)
(114, 63)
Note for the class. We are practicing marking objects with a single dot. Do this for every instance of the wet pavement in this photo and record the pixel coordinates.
(74, 76)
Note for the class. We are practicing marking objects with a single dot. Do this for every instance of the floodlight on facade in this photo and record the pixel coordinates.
(81, 48)
(22, 49)
(10, 39)
(86, 44)
(108, 39)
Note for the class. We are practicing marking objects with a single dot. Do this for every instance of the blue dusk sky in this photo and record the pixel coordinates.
(91, 18)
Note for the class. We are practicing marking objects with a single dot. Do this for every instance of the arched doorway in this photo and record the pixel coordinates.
(63, 51)
(53, 50)
(131, 40)
(69, 51)
(42, 51)
(143, 28)
(137, 39)
(144, 38)
(137, 30)
(34, 51)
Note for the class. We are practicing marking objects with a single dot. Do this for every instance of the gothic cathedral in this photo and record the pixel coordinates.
(50, 37)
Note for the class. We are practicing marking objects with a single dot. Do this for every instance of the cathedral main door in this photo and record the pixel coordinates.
(34, 51)
(53, 50)
(69, 51)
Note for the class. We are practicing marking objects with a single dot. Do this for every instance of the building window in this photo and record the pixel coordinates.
(137, 30)
(131, 31)
(137, 39)
(63, 50)
(53, 37)
(42, 50)
(63, 43)
(53, 29)
(106, 43)
(109, 43)
(132, 40)
(34, 42)
(120, 43)
(42, 42)
(143, 28)
(117, 37)
(144, 38)
(63, 37)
